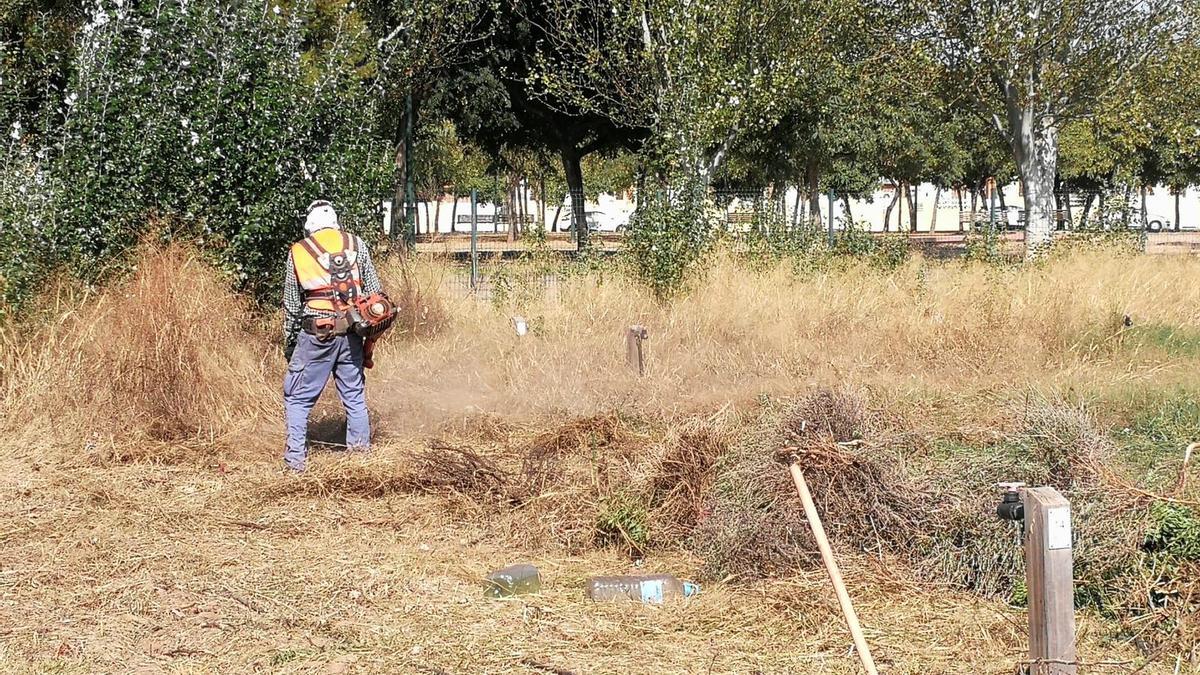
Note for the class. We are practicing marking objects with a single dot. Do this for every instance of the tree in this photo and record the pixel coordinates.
(35, 58)
(495, 105)
(198, 118)
(1034, 65)
(417, 43)
(694, 76)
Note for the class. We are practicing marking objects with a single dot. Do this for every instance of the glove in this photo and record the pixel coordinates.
(369, 353)
(289, 349)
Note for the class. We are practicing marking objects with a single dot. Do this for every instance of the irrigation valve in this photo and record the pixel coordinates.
(1010, 507)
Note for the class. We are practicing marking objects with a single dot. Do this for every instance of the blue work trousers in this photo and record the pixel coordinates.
(312, 363)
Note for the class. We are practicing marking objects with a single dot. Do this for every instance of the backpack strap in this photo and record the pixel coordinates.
(314, 249)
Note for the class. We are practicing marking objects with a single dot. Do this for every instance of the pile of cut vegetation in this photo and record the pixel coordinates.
(718, 487)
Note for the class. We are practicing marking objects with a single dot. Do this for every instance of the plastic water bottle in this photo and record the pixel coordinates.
(512, 580)
(653, 589)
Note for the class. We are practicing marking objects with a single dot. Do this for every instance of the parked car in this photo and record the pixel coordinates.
(597, 221)
(1157, 223)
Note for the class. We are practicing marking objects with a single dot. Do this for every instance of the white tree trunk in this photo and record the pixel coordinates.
(1034, 141)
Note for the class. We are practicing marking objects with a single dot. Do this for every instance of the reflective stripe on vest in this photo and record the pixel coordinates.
(310, 259)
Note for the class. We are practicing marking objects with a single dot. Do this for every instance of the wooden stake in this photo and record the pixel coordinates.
(1048, 577)
(634, 355)
(835, 575)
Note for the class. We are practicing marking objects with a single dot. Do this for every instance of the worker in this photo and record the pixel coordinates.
(327, 272)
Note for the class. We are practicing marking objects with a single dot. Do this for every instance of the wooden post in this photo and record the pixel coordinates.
(634, 355)
(1048, 574)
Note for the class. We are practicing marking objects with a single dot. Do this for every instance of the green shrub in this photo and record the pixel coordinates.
(669, 235)
(1174, 534)
(190, 119)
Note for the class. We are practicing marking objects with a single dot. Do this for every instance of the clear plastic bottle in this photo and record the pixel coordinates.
(512, 580)
(654, 588)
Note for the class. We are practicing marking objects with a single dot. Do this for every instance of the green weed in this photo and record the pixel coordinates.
(1174, 534)
(1174, 340)
(286, 656)
(623, 519)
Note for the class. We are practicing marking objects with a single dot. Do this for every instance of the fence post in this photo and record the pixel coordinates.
(635, 357)
(1048, 575)
(474, 238)
(410, 195)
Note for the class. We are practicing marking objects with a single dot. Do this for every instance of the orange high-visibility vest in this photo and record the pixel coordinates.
(326, 265)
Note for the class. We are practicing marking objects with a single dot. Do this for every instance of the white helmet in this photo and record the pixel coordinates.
(320, 216)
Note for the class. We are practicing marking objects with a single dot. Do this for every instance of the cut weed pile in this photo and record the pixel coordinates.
(144, 522)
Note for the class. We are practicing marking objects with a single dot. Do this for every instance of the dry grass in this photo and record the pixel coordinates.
(946, 332)
(144, 524)
(170, 568)
(164, 366)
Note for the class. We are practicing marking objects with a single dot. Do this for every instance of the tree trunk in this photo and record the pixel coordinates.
(522, 204)
(814, 194)
(1145, 213)
(887, 215)
(796, 208)
(1126, 212)
(974, 205)
(1177, 212)
(542, 201)
(912, 208)
(849, 214)
(959, 192)
(510, 206)
(557, 213)
(937, 195)
(527, 219)
(1034, 140)
(399, 214)
(1103, 211)
(574, 171)
(1087, 209)
(437, 214)
(1070, 216)
(454, 212)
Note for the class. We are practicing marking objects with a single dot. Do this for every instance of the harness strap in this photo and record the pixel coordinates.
(320, 294)
(314, 249)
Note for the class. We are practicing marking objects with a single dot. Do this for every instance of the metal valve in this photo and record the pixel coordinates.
(1010, 507)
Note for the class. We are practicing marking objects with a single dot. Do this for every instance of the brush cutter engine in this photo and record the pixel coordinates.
(371, 315)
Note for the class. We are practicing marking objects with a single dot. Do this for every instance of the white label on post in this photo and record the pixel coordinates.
(1058, 527)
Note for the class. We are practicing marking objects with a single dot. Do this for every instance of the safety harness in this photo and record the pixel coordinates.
(340, 289)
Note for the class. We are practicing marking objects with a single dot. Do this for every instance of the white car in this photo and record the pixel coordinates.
(597, 221)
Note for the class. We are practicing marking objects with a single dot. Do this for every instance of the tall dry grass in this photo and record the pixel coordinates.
(944, 330)
(171, 357)
(167, 363)
(575, 450)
